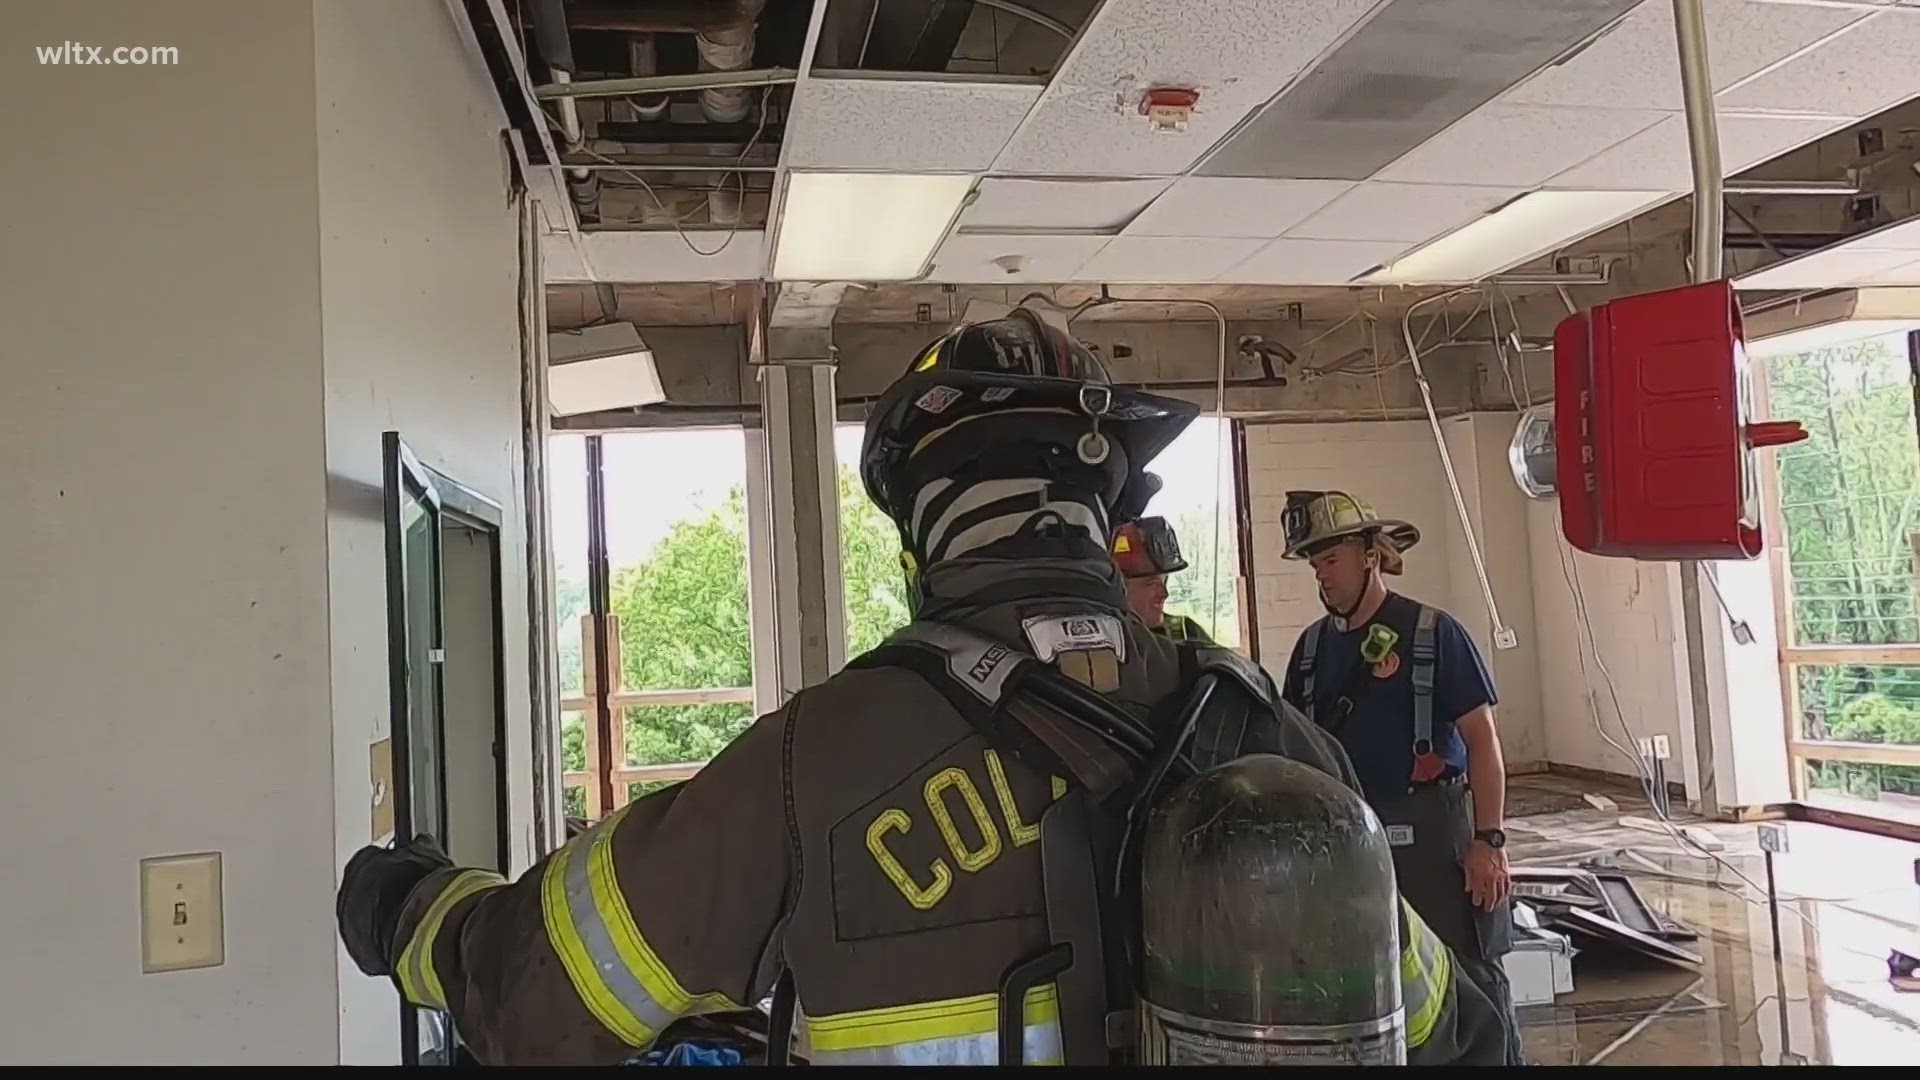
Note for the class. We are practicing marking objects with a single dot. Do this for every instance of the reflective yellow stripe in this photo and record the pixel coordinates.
(418, 979)
(958, 1031)
(616, 973)
(1426, 971)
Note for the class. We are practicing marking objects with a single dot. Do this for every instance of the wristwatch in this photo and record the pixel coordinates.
(1495, 838)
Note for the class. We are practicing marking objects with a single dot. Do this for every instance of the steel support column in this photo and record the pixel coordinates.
(796, 378)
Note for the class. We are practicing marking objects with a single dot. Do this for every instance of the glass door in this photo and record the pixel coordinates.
(416, 652)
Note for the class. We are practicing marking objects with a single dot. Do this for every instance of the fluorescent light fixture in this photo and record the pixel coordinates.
(1836, 318)
(1528, 227)
(864, 226)
(598, 368)
(1886, 256)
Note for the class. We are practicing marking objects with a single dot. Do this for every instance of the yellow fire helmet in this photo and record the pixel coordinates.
(1314, 518)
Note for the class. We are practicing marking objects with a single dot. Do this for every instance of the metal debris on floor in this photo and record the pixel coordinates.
(1598, 905)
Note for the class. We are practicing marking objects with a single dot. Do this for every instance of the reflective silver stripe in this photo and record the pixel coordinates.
(954, 1031)
(419, 980)
(1042, 1048)
(613, 969)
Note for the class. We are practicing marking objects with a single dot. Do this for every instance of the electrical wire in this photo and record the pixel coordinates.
(1570, 570)
(1503, 636)
(707, 202)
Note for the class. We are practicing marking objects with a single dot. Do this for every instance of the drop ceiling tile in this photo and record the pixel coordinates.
(1311, 262)
(1520, 145)
(662, 256)
(1867, 68)
(1139, 260)
(1831, 268)
(1229, 206)
(1636, 65)
(1010, 203)
(1657, 158)
(1900, 236)
(1414, 68)
(1236, 53)
(901, 125)
(1908, 274)
(969, 258)
(1405, 213)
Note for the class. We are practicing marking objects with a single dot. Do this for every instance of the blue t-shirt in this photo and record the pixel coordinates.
(1378, 733)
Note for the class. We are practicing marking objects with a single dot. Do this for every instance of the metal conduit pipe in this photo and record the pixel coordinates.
(555, 45)
(729, 49)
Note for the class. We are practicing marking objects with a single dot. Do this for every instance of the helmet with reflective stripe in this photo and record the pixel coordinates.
(1012, 393)
(1314, 519)
(1147, 547)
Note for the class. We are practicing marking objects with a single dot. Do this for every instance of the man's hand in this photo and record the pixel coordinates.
(1487, 878)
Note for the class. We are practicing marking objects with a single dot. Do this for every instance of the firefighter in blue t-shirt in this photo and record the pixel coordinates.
(1402, 687)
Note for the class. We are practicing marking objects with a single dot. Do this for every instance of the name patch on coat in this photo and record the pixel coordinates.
(1399, 835)
(1050, 635)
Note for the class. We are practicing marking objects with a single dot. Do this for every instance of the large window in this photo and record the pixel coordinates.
(1849, 506)
(1198, 501)
(659, 669)
(872, 577)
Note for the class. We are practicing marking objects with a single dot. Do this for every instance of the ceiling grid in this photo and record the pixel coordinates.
(1330, 137)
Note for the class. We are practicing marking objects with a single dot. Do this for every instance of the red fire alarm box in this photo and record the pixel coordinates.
(1654, 432)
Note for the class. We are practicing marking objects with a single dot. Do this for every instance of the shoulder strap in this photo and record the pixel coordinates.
(1309, 647)
(977, 675)
(1425, 655)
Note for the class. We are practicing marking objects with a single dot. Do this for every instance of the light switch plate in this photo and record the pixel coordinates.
(182, 922)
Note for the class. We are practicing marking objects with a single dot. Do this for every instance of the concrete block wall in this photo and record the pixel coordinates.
(1390, 464)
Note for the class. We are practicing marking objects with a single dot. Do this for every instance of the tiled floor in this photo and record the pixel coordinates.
(1847, 898)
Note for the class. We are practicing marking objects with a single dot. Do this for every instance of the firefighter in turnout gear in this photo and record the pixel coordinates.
(1147, 551)
(1401, 685)
(864, 866)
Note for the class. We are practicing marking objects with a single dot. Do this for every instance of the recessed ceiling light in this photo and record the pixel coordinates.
(1530, 226)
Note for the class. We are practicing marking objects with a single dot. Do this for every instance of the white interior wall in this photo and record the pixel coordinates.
(1390, 464)
(1498, 512)
(164, 586)
(1750, 744)
(1631, 608)
(419, 287)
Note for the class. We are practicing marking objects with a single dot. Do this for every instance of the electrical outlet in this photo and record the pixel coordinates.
(182, 924)
(1646, 749)
(1662, 750)
(1773, 838)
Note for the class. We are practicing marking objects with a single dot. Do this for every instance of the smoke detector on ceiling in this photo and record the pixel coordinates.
(1168, 108)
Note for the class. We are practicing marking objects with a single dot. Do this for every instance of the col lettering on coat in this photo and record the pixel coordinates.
(941, 840)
